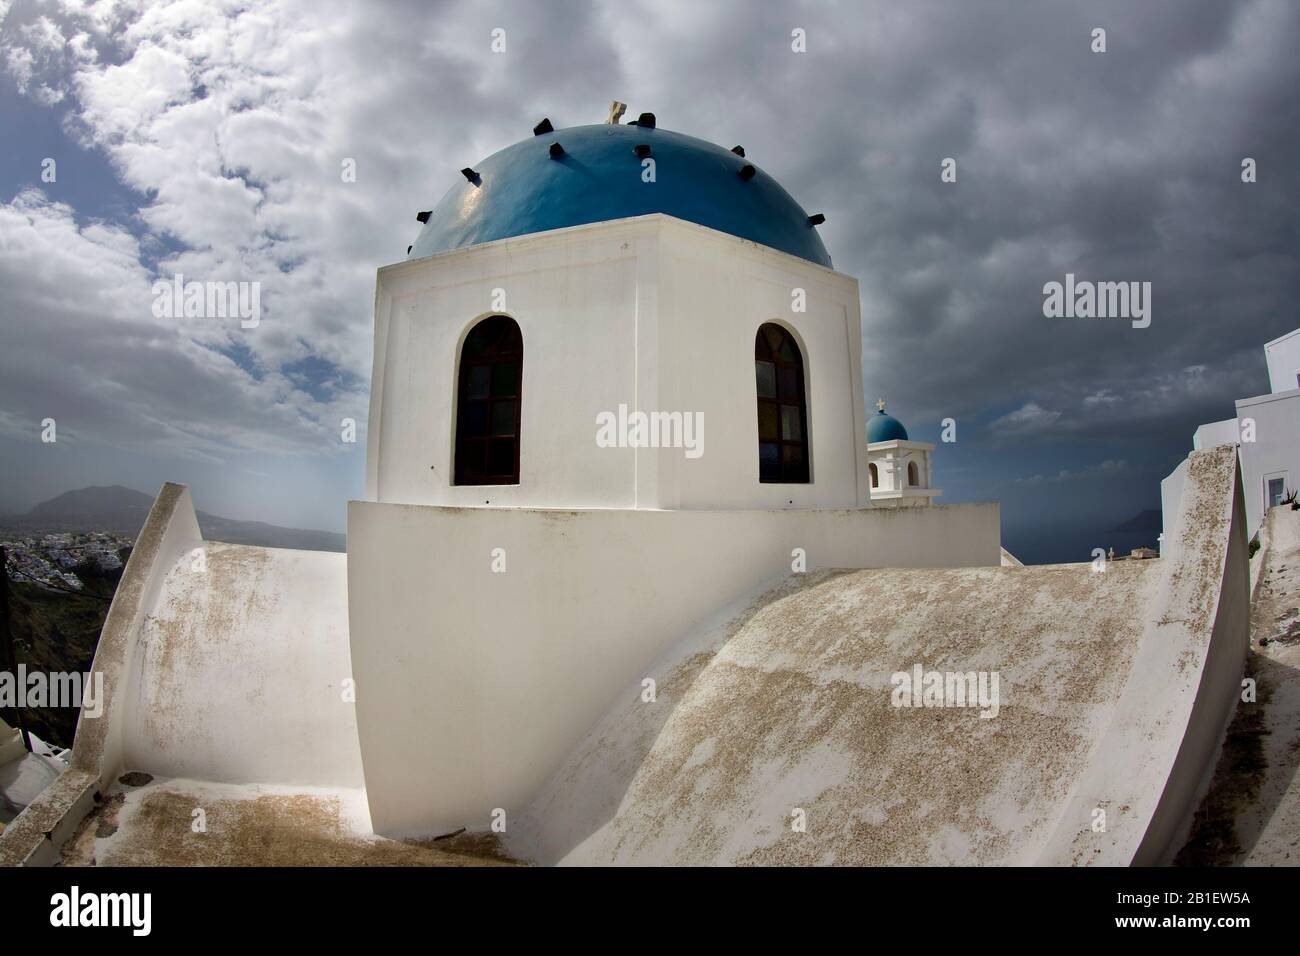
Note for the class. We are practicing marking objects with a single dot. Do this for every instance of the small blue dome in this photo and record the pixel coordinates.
(882, 427)
(522, 190)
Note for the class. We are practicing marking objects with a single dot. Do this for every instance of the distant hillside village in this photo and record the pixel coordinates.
(61, 561)
(58, 589)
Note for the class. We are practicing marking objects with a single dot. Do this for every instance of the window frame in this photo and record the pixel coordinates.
(789, 474)
(491, 357)
(1280, 478)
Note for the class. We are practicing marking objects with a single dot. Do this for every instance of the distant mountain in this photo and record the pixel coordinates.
(123, 510)
(100, 508)
(1150, 520)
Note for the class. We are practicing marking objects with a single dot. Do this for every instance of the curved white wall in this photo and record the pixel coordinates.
(238, 671)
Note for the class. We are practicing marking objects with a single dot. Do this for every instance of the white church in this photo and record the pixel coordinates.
(570, 274)
(635, 564)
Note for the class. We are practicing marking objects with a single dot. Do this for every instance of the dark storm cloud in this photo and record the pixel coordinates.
(1122, 165)
(1116, 166)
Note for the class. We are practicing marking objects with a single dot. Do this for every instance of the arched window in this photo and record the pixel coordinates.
(782, 408)
(488, 403)
(875, 475)
(913, 476)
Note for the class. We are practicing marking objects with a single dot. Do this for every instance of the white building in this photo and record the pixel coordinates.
(562, 288)
(899, 469)
(1283, 358)
(1267, 432)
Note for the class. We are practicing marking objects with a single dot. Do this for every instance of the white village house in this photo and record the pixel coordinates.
(1266, 431)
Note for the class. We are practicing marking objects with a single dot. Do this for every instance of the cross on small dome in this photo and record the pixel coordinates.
(880, 404)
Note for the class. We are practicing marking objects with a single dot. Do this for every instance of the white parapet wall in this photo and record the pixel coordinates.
(1171, 496)
(486, 642)
(219, 662)
(1153, 763)
(170, 532)
(240, 669)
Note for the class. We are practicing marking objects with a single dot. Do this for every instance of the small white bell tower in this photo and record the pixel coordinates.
(900, 469)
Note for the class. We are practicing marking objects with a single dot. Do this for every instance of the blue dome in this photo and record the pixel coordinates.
(882, 427)
(522, 190)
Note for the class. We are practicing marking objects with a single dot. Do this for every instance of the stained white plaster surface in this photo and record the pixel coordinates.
(239, 671)
(1115, 689)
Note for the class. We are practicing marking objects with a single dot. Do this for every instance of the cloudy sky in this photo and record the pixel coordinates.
(207, 138)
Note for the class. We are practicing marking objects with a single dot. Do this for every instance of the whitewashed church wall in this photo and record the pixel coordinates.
(472, 684)
(649, 313)
(574, 294)
(715, 292)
